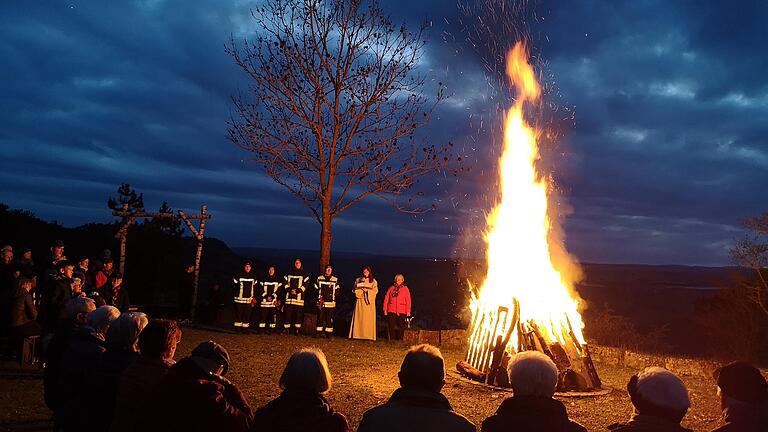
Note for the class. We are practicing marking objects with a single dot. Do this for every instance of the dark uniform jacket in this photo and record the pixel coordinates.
(80, 360)
(647, 423)
(245, 287)
(415, 410)
(746, 418)
(269, 290)
(189, 399)
(296, 281)
(327, 288)
(299, 411)
(56, 298)
(117, 297)
(529, 414)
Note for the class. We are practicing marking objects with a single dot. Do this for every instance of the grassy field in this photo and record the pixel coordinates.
(365, 374)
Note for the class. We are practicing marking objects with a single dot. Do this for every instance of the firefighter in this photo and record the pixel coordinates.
(295, 287)
(327, 286)
(269, 300)
(245, 290)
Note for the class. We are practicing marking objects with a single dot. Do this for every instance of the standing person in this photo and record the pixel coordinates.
(660, 401)
(743, 394)
(8, 275)
(57, 294)
(397, 307)
(213, 302)
(194, 396)
(268, 300)
(418, 405)
(26, 265)
(245, 292)
(82, 267)
(327, 286)
(302, 405)
(102, 275)
(364, 316)
(533, 377)
(186, 288)
(295, 287)
(115, 294)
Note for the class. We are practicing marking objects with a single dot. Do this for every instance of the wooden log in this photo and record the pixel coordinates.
(591, 370)
(470, 372)
(498, 351)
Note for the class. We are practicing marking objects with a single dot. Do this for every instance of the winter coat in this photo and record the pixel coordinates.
(136, 383)
(397, 300)
(298, 411)
(58, 294)
(106, 380)
(81, 358)
(24, 309)
(647, 423)
(100, 279)
(531, 414)
(189, 399)
(415, 410)
(745, 418)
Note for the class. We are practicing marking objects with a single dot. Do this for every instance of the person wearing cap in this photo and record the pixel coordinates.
(194, 396)
(660, 401)
(245, 297)
(418, 405)
(115, 294)
(302, 405)
(743, 393)
(74, 316)
(57, 253)
(533, 378)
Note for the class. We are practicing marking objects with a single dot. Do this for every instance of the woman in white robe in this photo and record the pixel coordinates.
(364, 317)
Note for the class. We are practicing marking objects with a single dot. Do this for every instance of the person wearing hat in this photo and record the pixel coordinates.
(115, 293)
(245, 297)
(83, 268)
(660, 400)
(743, 393)
(102, 276)
(194, 396)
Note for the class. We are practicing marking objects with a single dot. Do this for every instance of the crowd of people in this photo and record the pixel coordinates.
(123, 365)
(111, 369)
(284, 301)
(33, 295)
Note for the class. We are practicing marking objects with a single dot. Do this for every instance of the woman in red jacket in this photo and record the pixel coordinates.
(397, 306)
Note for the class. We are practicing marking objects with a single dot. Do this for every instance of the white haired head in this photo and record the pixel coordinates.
(123, 333)
(659, 392)
(532, 373)
(78, 309)
(102, 317)
(307, 369)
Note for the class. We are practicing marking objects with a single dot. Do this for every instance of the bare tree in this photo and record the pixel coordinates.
(333, 104)
(752, 252)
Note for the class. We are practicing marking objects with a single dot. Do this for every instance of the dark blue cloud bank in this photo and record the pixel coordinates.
(659, 111)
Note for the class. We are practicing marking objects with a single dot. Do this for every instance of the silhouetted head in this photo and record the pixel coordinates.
(307, 370)
(423, 367)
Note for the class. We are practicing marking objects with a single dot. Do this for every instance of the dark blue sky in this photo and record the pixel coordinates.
(659, 111)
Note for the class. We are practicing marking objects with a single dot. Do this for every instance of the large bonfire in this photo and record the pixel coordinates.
(526, 301)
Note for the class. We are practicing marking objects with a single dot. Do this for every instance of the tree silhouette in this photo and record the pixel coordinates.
(126, 195)
(334, 103)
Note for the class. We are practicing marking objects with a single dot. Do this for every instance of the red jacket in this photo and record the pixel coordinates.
(397, 300)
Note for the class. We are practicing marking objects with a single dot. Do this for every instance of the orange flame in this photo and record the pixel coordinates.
(520, 263)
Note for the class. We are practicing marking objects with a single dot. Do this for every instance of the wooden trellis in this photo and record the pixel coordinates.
(197, 232)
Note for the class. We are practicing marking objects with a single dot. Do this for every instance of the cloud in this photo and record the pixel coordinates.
(655, 121)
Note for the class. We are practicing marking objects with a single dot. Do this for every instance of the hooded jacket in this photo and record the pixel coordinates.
(531, 414)
(298, 411)
(412, 409)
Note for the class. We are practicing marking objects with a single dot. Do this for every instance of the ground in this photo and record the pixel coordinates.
(365, 374)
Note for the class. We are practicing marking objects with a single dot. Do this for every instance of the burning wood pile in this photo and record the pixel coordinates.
(526, 301)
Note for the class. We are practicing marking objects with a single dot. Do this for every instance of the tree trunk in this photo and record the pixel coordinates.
(325, 241)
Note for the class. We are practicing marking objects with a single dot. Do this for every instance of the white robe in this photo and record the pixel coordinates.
(364, 317)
